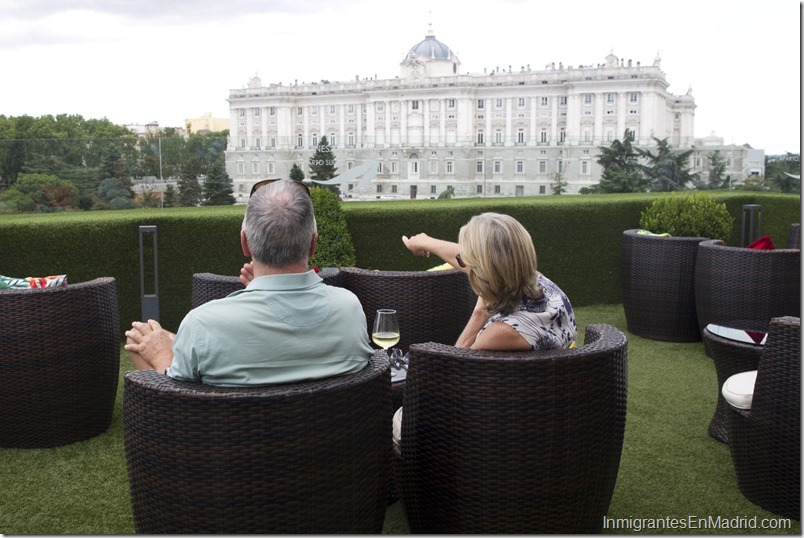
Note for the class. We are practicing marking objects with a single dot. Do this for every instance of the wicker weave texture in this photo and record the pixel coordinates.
(59, 363)
(742, 283)
(209, 286)
(310, 457)
(794, 239)
(730, 357)
(510, 443)
(765, 441)
(657, 277)
(432, 306)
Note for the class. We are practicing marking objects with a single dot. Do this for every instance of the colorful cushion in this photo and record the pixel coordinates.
(738, 390)
(7, 282)
(763, 243)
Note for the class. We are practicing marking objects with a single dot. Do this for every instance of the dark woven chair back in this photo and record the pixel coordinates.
(765, 441)
(794, 238)
(311, 457)
(432, 306)
(657, 276)
(734, 283)
(59, 363)
(209, 286)
(512, 443)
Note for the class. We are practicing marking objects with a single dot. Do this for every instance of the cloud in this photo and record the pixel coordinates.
(169, 11)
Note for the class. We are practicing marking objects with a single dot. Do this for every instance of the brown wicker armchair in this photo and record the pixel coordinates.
(59, 363)
(311, 457)
(733, 283)
(794, 238)
(657, 278)
(765, 440)
(209, 286)
(512, 443)
(432, 306)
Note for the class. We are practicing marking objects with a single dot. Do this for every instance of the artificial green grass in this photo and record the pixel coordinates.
(670, 467)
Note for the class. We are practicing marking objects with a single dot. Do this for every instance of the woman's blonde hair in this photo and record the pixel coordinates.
(499, 254)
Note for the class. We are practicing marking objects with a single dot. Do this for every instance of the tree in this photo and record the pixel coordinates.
(717, 167)
(322, 164)
(113, 194)
(189, 190)
(169, 196)
(666, 170)
(783, 173)
(39, 193)
(150, 199)
(559, 186)
(621, 169)
(296, 173)
(218, 188)
(447, 193)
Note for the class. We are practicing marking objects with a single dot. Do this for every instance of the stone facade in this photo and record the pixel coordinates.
(508, 132)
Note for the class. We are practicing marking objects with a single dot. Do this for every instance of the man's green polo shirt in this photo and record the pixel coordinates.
(280, 329)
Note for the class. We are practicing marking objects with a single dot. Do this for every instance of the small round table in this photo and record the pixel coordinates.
(735, 346)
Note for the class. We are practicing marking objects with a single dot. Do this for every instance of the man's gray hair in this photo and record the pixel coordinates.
(279, 224)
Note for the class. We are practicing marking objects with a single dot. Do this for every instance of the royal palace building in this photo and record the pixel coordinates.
(506, 132)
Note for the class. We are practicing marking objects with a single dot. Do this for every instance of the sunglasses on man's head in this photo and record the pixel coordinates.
(265, 182)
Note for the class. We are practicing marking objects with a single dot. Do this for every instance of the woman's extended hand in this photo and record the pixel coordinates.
(415, 244)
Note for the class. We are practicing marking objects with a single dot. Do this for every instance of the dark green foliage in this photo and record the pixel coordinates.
(113, 194)
(296, 173)
(621, 169)
(169, 197)
(218, 186)
(577, 240)
(334, 247)
(39, 193)
(189, 191)
(667, 169)
(717, 167)
(783, 174)
(688, 215)
(447, 193)
(322, 164)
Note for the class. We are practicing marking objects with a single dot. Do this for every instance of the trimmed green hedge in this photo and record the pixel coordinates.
(577, 240)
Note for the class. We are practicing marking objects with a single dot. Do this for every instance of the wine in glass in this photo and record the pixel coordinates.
(386, 329)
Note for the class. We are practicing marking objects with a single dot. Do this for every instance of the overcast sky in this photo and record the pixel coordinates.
(137, 61)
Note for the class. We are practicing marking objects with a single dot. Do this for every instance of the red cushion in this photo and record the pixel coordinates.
(763, 243)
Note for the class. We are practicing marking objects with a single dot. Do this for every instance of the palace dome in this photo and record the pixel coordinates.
(431, 48)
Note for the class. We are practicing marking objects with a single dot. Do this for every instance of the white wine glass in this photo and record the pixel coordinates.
(386, 329)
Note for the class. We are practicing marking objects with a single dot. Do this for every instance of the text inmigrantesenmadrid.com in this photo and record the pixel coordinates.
(695, 522)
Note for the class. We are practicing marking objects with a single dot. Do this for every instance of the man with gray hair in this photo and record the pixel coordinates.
(286, 326)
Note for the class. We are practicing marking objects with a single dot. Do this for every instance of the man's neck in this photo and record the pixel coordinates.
(266, 270)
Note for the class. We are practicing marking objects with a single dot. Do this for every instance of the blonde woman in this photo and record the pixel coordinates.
(518, 308)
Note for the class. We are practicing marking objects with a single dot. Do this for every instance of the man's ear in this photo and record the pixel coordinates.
(244, 244)
(313, 243)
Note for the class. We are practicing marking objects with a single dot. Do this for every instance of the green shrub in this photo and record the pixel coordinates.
(688, 215)
(334, 247)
